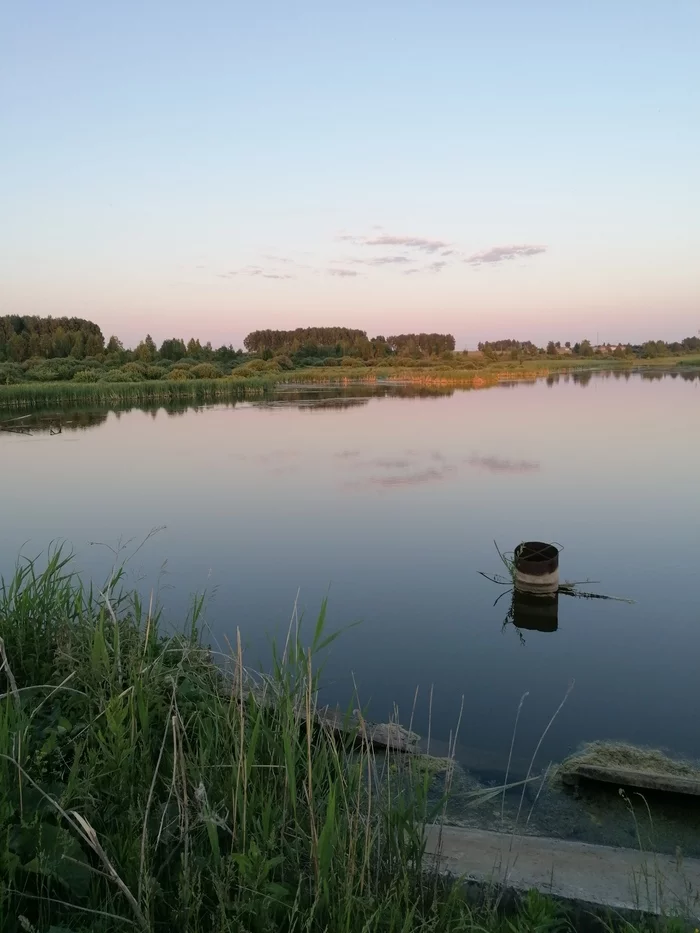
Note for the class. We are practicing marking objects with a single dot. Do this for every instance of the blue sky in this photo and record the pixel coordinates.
(493, 169)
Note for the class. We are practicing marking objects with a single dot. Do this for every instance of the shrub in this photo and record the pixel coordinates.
(178, 375)
(121, 375)
(284, 362)
(331, 361)
(350, 361)
(86, 375)
(139, 368)
(257, 368)
(11, 374)
(206, 371)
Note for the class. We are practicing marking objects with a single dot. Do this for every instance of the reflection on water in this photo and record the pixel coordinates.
(533, 613)
(323, 398)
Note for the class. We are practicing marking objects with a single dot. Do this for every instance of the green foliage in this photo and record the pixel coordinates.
(206, 371)
(86, 375)
(178, 374)
(11, 373)
(22, 338)
(256, 368)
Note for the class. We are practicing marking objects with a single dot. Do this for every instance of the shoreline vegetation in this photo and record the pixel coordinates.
(148, 782)
(54, 361)
(257, 381)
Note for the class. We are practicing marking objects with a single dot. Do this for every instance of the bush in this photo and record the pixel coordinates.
(121, 375)
(350, 361)
(257, 368)
(284, 362)
(205, 371)
(178, 375)
(86, 375)
(11, 374)
(331, 361)
(139, 368)
(183, 364)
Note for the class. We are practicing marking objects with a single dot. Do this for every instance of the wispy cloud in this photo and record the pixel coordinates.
(409, 242)
(343, 273)
(254, 271)
(499, 465)
(503, 253)
(379, 261)
(283, 259)
(418, 478)
(411, 271)
(437, 266)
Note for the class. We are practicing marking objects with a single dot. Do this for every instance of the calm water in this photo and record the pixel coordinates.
(391, 504)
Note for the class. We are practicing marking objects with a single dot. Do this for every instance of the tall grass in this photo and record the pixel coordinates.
(146, 782)
(56, 394)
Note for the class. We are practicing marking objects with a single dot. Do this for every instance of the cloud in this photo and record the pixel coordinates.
(418, 478)
(437, 266)
(255, 271)
(410, 242)
(502, 253)
(283, 259)
(497, 465)
(343, 273)
(388, 260)
(411, 271)
(378, 261)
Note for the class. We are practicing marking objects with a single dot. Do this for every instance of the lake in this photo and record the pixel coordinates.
(389, 500)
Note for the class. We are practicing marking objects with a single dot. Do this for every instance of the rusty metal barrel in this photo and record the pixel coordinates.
(536, 566)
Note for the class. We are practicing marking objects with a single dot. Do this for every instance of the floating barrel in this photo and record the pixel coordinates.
(536, 568)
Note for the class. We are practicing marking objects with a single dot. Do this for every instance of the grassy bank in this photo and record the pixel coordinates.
(60, 394)
(147, 783)
(251, 382)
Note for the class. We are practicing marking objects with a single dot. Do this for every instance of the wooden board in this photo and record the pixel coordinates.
(628, 777)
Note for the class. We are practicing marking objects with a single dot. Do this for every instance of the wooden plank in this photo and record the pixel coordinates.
(628, 777)
(389, 735)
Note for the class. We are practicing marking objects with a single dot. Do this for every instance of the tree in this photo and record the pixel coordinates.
(173, 349)
(16, 348)
(551, 348)
(585, 348)
(146, 351)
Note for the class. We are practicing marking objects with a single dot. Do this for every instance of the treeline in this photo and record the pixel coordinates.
(34, 349)
(519, 349)
(22, 338)
(343, 341)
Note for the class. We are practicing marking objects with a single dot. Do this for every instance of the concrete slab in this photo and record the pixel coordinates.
(619, 879)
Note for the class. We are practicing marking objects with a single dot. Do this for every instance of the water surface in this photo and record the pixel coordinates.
(389, 501)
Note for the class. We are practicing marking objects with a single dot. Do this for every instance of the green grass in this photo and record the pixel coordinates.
(148, 783)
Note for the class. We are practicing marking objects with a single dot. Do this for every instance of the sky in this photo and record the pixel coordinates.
(502, 169)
